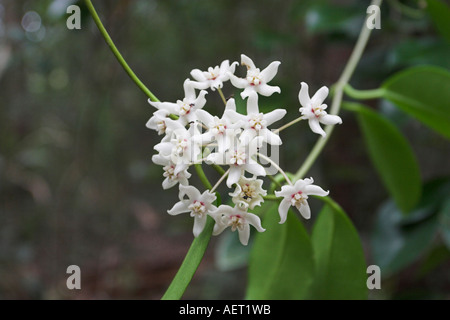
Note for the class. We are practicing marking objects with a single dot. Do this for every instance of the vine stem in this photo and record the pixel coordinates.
(287, 125)
(338, 94)
(220, 180)
(276, 166)
(117, 53)
(222, 96)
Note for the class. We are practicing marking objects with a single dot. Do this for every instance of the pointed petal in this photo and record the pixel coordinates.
(199, 225)
(160, 160)
(256, 169)
(303, 95)
(169, 107)
(207, 198)
(271, 138)
(252, 103)
(179, 207)
(239, 83)
(305, 211)
(201, 100)
(189, 90)
(266, 90)
(244, 234)
(234, 175)
(274, 116)
(218, 228)
(315, 191)
(205, 117)
(169, 183)
(246, 136)
(315, 127)
(234, 116)
(255, 221)
(269, 73)
(165, 148)
(231, 104)
(285, 191)
(320, 96)
(283, 210)
(198, 75)
(191, 191)
(247, 90)
(246, 61)
(330, 119)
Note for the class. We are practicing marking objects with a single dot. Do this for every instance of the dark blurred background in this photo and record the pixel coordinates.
(77, 185)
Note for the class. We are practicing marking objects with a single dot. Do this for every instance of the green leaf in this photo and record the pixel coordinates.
(330, 18)
(440, 14)
(399, 240)
(396, 245)
(444, 222)
(392, 157)
(281, 261)
(424, 93)
(339, 257)
(230, 253)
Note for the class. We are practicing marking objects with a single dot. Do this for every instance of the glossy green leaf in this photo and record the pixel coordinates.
(281, 261)
(444, 222)
(339, 257)
(395, 245)
(230, 254)
(424, 93)
(399, 240)
(330, 18)
(392, 157)
(440, 14)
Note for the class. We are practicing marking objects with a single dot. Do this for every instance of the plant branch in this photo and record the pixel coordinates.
(338, 94)
(116, 52)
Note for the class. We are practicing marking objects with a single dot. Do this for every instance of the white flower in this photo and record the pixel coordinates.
(255, 123)
(249, 191)
(222, 130)
(255, 79)
(314, 109)
(240, 220)
(297, 196)
(171, 179)
(182, 149)
(158, 121)
(198, 205)
(239, 158)
(214, 77)
(185, 108)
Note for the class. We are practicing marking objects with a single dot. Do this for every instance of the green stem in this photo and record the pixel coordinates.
(222, 96)
(116, 52)
(338, 94)
(190, 263)
(287, 125)
(195, 253)
(363, 94)
(202, 176)
(271, 197)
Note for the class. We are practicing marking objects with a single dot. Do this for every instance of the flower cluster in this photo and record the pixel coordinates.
(232, 143)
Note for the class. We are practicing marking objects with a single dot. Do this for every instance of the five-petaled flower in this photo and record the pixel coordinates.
(214, 77)
(184, 109)
(297, 195)
(198, 205)
(248, 191)
(313, 109)
(237, 219)
(255, 123)
(256, 80)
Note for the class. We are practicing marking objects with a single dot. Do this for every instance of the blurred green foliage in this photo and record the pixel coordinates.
(77, 185)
